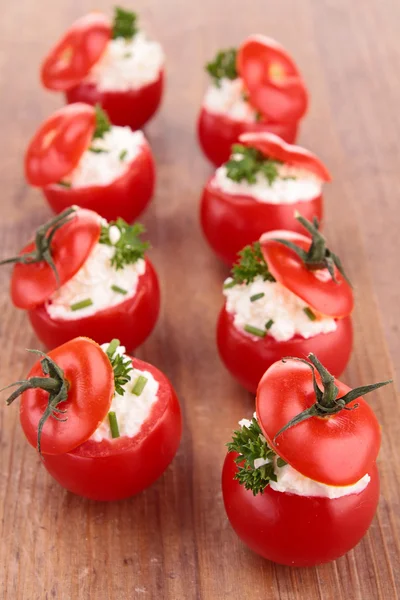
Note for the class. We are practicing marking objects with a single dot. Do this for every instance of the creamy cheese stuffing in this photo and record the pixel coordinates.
(292, 185)
(290, 481)
(94, 280)
(107, 158)
(279, 304)
(131, 411)
(228, 99)
(128, 64)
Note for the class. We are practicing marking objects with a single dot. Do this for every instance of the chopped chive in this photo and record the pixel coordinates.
(118, 289)
(65, 184)
(127, 54)
(230, 284)
(309, 313)
(112, 419)
(257, 296)
(254, 331)
(269, 324)
(139, 385)
(97, 150)
(122, 154)
(112, 346)
(82, 304)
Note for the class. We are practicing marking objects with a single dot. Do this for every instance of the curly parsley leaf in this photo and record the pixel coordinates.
(251, 264)
(102, 124)
(121, 365)
(250, 445)
(223, 66)
(129, 248)
(246, 163)
(124, 24)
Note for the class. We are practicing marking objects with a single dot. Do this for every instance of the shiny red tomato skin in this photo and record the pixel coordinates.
(247, 359)
(117, 469)
(295, 530)
(231, 222)
(133, 108)
(125, 197)
(217, 133)
(131, 322)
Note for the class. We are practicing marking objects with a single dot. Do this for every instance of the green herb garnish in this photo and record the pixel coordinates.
(102, 123)
(251, 264)
(255, 331)
(129, 247)
(65, 184)
(223, 66)
(269, 324)
(124, 24)
(97, 150)
(112, 419)
(118, 290)
(255, 297)
(122, 365)
(246, 163)
(82, 304)
(122, 154)
(139, 385)
(310, 313)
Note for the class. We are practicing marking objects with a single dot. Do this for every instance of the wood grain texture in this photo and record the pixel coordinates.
(173, 541)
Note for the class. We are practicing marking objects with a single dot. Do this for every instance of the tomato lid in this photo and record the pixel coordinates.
(89, 386)
(327, 296)
(334, 449)
(70, 238)
(272, 146)
(272, 79)
(74, 55)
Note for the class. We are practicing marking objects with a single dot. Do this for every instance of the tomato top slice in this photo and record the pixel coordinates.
(317, 288)
(335, 450)
(32, 284)
(272, 79)
(91, 387)
(59, 143)
(75, 54)
(272, 146)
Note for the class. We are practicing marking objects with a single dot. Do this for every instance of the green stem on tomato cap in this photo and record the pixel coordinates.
(318, 256)
(55, 384)
(43, 239)
(327, 402)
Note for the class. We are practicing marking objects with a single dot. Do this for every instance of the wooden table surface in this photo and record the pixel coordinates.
(173, 541)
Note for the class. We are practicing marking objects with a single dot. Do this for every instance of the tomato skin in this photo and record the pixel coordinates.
(117, 469)
(131, 321)
(218, 132)
(247, 360)
(125, 197)
(231, 222)
(133, 108)
(295, 530)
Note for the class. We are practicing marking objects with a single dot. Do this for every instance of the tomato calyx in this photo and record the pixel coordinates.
(327, 402)
(55, 384)
(43, 239)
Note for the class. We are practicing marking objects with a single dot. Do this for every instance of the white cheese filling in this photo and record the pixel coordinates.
(290, 481)
(229, 99)
(95, 280)
(131, 410)
(107, 158)
(127, 64)
(292, 185)
(278, 304)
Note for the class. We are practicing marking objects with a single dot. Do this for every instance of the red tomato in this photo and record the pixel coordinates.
(119, 468)
(272, 79)
(125, 197)
(59, 143)
(297, 530)
(316, 288)
(131, 321)
(218, 132)
(133, 108)
(306, 445)
(91, 388)
(32, 284)
(76, 53)
(247, 358)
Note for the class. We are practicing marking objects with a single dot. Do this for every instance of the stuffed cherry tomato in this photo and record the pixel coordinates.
(106, 425)
(288, 296)
(113, 64)
(262, 186)
(78, 158)
(85, 276)
(256, 88)
(300, 482)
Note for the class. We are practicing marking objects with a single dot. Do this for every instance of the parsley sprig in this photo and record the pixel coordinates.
(121, 365)
(223, 66)
(246, 163)
(102, 124)
(250, 444)
(124, 24)
(251, 264)
(129, 248)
